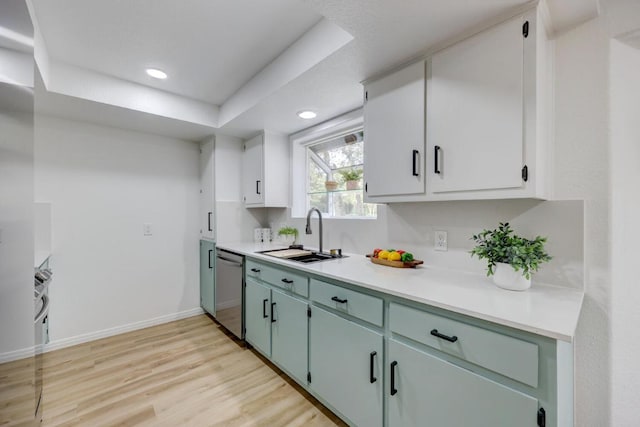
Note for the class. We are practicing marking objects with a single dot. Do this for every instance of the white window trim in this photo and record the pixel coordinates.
(334, 128)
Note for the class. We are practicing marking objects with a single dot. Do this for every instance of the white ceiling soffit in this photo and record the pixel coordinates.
(568, 14)
(624, 21)
(16, 31)
(72, 108)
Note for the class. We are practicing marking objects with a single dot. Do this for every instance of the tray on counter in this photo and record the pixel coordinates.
(396, 264)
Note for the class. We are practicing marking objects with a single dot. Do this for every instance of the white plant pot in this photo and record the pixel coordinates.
(288, 239)
(353, 185)
(505, 277)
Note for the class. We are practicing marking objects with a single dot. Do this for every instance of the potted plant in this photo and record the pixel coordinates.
(288, 235)
(511, 259)
(331, 185)
(351, 177)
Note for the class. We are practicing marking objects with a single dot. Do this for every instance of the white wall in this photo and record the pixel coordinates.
(234, 223)
(16, 223)
(625, 233)
(582, 171)
(103, 183)
(411, 226)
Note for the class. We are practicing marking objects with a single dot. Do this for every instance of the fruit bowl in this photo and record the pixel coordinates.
(396, 264)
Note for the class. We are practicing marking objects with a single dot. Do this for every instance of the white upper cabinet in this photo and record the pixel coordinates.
(265, 171)
(394, 134)
(487, 101)
(474, 113)
(207, 192)
(486, 130)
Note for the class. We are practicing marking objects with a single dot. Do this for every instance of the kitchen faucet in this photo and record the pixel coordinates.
(308, 228)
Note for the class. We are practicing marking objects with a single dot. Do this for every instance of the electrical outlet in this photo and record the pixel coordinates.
(440, 241)
(146, 229)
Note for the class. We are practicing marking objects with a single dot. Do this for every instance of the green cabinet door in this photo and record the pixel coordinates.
(207, 276)
(345, 362)
(289, 333)
(423, 389)
(258, 311)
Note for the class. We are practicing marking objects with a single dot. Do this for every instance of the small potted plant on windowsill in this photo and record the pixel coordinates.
(288, 235)
(352, 178)
(331, 185)
(511, 259)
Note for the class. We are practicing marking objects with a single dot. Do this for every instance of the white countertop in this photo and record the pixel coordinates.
(546, 310)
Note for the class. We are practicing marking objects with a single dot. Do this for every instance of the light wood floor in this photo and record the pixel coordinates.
(187, 372)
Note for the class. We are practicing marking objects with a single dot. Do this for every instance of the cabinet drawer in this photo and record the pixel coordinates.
(511, 357)
(292, 282)
(354, 303)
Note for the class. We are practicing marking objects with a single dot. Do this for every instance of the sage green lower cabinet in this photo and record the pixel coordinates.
(426, 390)
(289, 334)
(257, 299)
(345, 362)
(277, 326)
(378, 360)
(207, 276)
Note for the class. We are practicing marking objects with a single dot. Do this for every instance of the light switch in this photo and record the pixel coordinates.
(146, 229)
(440, 241)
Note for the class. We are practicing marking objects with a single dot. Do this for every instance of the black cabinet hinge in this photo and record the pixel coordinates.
(308, 311)
(309, 377)
(542, 417)
(365, 187)
(525, 173)
(525, 29)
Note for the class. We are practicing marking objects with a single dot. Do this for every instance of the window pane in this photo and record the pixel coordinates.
(317, 178)
(319, 201)
(330, 160)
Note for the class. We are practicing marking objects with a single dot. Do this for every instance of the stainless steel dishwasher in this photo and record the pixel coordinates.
(228, 299)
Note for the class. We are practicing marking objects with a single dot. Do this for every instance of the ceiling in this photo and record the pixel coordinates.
(209, 48)
(219, 51)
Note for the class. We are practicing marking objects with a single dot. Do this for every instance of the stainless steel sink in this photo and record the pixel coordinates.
(305, 259)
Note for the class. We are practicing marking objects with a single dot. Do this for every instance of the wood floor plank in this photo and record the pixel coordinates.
(189, 372)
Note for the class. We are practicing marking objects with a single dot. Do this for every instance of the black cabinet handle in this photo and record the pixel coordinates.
(258, 187)
(255, 270)
(264, 308)
(435, 333)
(415, 159)
(287, 281)
(209, 220)
(210, 251)
(436, 152)
(341, 301)
(372, 379)
(393, 377)
(273, 319)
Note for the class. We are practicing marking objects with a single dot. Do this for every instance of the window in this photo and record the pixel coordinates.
(334, 176)
(321, 157)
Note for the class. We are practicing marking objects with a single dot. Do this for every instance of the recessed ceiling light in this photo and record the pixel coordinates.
(156, 74)
(307, 114)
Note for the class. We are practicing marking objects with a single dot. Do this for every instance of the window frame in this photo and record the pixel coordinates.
(337, 127)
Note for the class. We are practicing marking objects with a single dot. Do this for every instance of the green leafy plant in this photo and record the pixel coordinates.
(503, 245)
(350, 174)
(288, 231)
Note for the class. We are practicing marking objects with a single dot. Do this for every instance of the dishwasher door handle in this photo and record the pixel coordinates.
(229, 261)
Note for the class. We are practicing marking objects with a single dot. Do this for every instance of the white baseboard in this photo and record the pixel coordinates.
(92, 336)
(10, 356)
